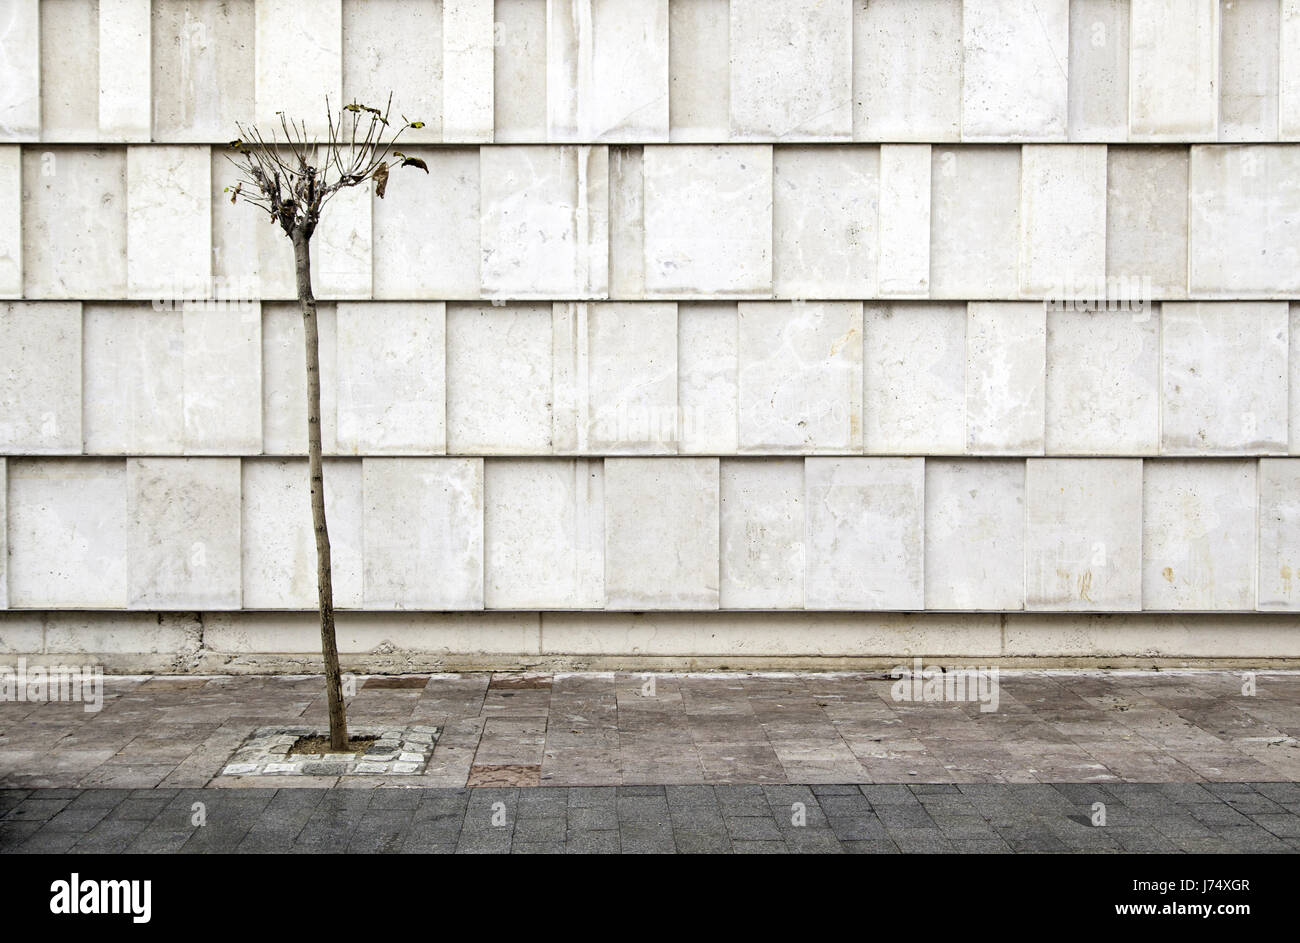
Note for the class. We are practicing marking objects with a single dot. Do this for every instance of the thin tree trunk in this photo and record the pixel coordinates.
(324, 576)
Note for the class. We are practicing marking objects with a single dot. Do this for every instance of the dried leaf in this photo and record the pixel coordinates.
(381, 180)
(236, 144)
(235, 192)
(415, 162)
(417, 124)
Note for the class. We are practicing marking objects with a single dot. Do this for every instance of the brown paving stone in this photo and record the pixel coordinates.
(505, 775)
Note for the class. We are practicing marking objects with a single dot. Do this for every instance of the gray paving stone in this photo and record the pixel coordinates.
(702, 842)
(592, 842)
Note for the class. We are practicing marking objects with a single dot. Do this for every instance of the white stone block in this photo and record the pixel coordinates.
(626, 223)
(975, 222)
(183, 542)
(468, 40)
(544, 532)
(203, 69)
(1146, 220)
(1279, 533)
(865, 521)
(825, 207)
(1099, 70)
(134, 379)
(423, 526)
(74, 223)
(607, 70)
(499, 379)
(1294, 385)
(20, 67)
(284, 380)
(708, 220)
(1005, 367)
(69, 70)
(168, 222)
(1062, 219)
(391, 360)
(1289, 71)
(545, 221)
(905, 219)
(252, 258)
(1173, 70)
(1198, 535)
(396, 46)
(914, 389)
(1103, 383)
(67, 534)
(342, 247)
(615, 378)
(800, 377)
(974, 534)
(1249, 81)
(707, 377)
(519, 71)
(1225, 378)
(426, 229)
(791, 70)
(1083, 542)
(11, 220)
(762, 534)
(699, 70)
(907, 70)
(5, 643)
(1245, 220)
(1015, 69)
(40, 384)
(278, 545)
(125, 77)
(299, 61)
(222, 363)
(661, 533)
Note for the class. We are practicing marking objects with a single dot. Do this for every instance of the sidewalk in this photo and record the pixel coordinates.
(512, 730)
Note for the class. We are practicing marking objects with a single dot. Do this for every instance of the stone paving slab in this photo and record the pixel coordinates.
(1221, 818)
(518, 730)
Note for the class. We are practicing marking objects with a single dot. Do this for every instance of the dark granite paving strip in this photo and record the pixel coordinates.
(1223, 818)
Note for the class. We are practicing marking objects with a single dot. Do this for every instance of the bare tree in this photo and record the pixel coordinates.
(292, 179)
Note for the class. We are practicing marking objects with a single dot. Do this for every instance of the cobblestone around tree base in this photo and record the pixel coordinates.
(396, 751)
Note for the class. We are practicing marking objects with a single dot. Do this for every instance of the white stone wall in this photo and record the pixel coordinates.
(719, 329)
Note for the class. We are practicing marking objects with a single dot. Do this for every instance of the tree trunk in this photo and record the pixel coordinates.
(324, 576)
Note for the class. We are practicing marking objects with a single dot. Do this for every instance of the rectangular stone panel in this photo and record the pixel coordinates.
(1248, 70)
(284, 380)
(169, 222)
(519, 72)
(74, 223)
(707, 378)
(545, 221)
(905, 219)
(67, 533)
(1083, 542)
(222, 400)
(1279, 533)
(183, 547)
(661, 533)
(416, 257)
(1015, 69)
(20, 72)
(11, 220)
(124, 73)
(69, 70)
(499, 383)
(468, 41)
(708, 220)
(907, 70)
(791, 69)
(974, 534)
(1198, 535)
(1289, 71)
(396, 46)
(1245, 221)
(864, 533)
(825, 235)
(1173, 70)
(974, 222)
(134, 379)
(544, 533)
(1224, 375)
(800, 376)
(203, 69)
(1103, 382)
(1099, 70)
(423, 533)
(914, 372)
(1005, 368)
(298, 84)
(278, 545)
(1146, 220)
(699, 70)
(391, 360)
(40, 387)
(1062, 219)
(252, 258)
(762, 534)
(607, 70)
